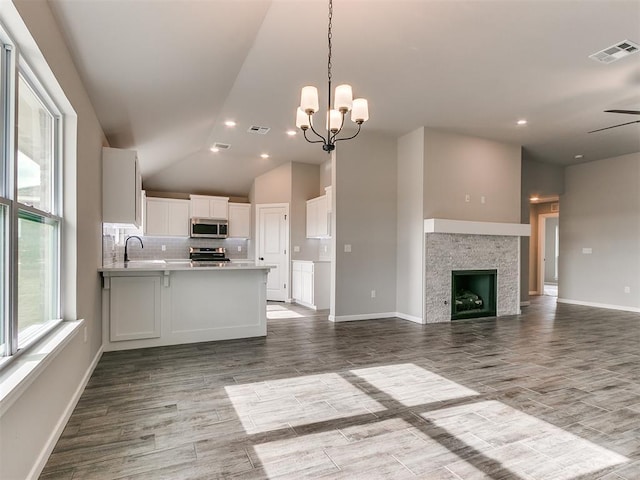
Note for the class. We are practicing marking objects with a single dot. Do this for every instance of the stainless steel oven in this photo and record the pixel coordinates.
(209, 228)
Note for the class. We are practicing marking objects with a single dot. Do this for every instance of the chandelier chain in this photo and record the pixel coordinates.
(329, 37)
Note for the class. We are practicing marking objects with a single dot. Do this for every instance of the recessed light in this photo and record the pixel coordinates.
(264, 155)
(291, 133)
(214, 149)
(578, 157)
(521, 122)
(230, 123)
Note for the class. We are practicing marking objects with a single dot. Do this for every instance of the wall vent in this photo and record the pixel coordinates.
(259, 130)
(615, 52)
(221, 146)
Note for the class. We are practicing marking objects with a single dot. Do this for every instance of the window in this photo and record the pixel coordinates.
(30, 206)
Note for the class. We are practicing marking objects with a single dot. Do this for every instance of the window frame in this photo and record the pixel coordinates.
(14, 66)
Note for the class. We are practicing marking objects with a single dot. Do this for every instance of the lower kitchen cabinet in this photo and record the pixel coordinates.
(311, 283)
(134, 307)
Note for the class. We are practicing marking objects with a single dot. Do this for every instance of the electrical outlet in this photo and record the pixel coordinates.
(164, 248)
(296, 248)
(239, 248)
(467, 198)
(347, 248)
(373, 294)
(627, 289)
(85, 334)
(587, 250)
(326, 248)
(483, 199)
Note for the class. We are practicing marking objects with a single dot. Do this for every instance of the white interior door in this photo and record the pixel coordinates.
(272, 232)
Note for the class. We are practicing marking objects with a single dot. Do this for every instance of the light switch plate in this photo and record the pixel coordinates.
(296, 248)
(347, 248)
(587, 251)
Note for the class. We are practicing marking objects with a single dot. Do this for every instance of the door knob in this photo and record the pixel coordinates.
(261, 258)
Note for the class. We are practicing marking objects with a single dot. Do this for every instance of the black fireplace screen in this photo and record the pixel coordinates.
(473, 293)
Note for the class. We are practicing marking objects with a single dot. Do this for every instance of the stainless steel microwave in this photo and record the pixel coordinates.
(209, 228)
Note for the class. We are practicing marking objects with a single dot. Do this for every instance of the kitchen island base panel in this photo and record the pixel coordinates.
(197, 306)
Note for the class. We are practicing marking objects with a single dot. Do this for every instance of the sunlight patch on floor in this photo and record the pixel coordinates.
(278, 404)
(279, 311)
(412, 385)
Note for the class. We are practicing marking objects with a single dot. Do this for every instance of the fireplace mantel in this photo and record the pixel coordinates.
(443, 225)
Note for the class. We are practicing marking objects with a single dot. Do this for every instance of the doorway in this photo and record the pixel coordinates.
(272, 247)
(548, 253)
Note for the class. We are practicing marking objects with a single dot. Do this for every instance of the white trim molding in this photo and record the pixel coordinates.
(443, 225)
(599, 305)
(37, 468)
(411, 318)
(366, 316)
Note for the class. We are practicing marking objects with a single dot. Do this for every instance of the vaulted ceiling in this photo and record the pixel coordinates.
(164, 76)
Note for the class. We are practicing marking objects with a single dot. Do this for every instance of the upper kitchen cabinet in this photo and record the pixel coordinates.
(166, 217)
(239, 220)
(121, 187)
(318, 218)
(204, 206)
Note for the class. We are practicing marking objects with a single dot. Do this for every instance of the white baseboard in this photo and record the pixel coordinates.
(62, 422)
(411, 318)
(599, 305)
(366, 316)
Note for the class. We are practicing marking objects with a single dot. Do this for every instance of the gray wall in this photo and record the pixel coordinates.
(458, 165)
(550, 226)
(601, 211)
(539, 179)
(27, 429)
(305, 181)
(364, 188)
(410, 261)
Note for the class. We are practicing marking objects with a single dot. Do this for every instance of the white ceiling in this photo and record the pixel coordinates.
(164, 75)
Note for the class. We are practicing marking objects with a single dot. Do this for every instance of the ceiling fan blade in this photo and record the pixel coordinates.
(614, 126)
(630, 112)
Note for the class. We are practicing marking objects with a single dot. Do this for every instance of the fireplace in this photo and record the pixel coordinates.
(473, 294)
(458, 245)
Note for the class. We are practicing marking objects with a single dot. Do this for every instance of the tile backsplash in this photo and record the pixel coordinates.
(174, 247)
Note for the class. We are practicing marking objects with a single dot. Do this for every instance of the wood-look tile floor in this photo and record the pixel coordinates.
(550, 394)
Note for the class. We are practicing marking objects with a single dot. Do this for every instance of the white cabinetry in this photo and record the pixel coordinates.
(134, 307)
(121, 187)
(166, 217)
(204, 206)
(311, 284)
(239, 220)
(317, 218)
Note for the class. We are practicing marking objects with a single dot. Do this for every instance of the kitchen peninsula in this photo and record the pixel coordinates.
(156, 302)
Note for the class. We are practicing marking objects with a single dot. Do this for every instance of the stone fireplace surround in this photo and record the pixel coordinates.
(463, 245)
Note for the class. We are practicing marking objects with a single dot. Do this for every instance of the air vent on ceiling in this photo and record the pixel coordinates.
(221, 146)
(615, 52)
(258, 130)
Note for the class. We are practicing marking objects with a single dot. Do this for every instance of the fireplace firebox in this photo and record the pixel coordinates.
(473, 293)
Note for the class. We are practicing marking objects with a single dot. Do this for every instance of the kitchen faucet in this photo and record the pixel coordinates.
(126, 242)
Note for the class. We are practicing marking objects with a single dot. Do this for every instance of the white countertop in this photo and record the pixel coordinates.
(178, 265)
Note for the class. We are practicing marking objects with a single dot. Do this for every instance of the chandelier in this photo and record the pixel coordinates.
(343, 104)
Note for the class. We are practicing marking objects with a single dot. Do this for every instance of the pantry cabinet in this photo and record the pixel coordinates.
(204, 206)
(311, 283)
(121, 187)
(166, 217)
(239, 220)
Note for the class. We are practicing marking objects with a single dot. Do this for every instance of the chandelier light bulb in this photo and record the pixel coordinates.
(360, 111)
(302, 119)
(309, 100)
(334, 120)
(344, 98)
